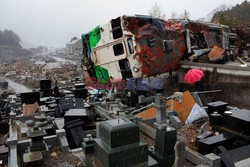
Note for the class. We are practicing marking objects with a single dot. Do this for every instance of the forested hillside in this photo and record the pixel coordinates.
(238, 15)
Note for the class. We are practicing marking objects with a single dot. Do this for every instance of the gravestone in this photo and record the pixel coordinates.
(238, 121)
(45, 84)
(80, 86)
(207, 145)
(30, 98)
(164, 146)
(119, 144)
(218, 106)
(45, 88)
(66, 104)
(75, 114)
(81, 93)
(75, 133)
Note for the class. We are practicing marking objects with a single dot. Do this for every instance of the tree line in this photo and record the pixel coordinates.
(238, 15)
(9, 38)
(156, 11)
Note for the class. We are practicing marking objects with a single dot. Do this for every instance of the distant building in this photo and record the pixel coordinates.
(37, 66)
(74, 47)
(49, 67)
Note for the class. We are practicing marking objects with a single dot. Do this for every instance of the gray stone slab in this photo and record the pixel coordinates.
(12, 158)
(59, 123)
(213, 160)
(194, 157)
(74, 112)
(32, 156)
(60, 132)
(175, 121)
(21, 126)
(243, 163)
(64, 144)
(145, 128)
(152, 162)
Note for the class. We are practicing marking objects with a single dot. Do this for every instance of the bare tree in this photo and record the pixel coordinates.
(156, 11)
(174, 15)
(185, 15)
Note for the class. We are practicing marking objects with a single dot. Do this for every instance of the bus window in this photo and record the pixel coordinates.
(116, 28)
(130, 46)
(118, 49)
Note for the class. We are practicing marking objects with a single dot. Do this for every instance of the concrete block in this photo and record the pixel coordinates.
(11, 141)
(194, 157)
(33, 159)
(60, 132)
(12, 115)
(64, 144)
(145, 128)
(175, 121)
(213, 160)
(152, 162)
(243, 163)
(21, 127)
(12, 158)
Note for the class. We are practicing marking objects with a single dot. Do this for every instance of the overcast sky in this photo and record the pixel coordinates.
(54, 22)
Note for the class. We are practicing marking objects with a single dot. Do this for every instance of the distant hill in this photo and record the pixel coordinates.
(238, 15)
(220, 8)
(10, 39)
(10, 47)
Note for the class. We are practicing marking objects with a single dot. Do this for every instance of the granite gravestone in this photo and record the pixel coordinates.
(45, 88)
(119, 144)
(164, 146)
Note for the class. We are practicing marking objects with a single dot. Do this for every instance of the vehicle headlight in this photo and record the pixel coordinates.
(136, 69)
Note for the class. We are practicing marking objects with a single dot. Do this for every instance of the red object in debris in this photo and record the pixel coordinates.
(216, 53)
(193, 75)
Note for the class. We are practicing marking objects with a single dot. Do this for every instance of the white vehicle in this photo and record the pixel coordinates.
(10, 73)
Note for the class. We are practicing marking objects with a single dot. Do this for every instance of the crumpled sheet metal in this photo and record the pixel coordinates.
(150, 34)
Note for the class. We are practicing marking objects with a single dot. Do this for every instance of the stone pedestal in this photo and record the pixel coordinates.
(37, 143)
(32, 159)
(164, 146)
(119, 145)
(161, 105)
(88, 144)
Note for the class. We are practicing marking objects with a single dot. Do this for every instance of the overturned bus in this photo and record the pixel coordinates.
(143, 46)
